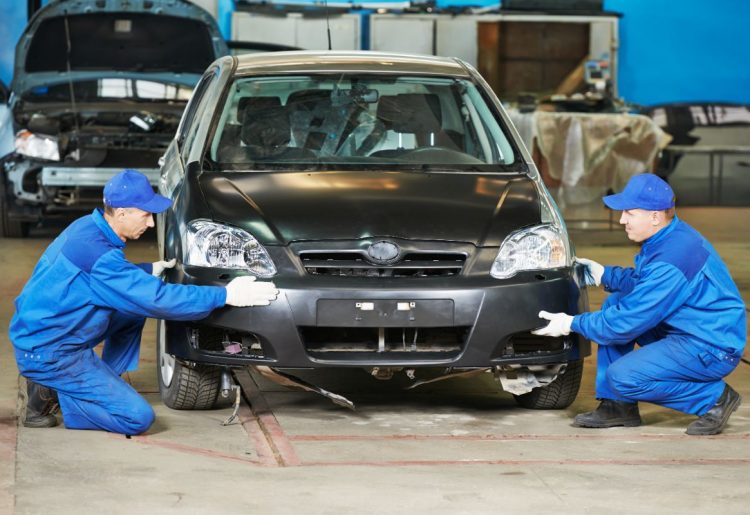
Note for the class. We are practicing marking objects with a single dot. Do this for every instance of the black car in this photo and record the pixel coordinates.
(392, 203)
(97, 87)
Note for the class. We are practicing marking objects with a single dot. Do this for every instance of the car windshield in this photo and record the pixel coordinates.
(111, 89)
(297, 122)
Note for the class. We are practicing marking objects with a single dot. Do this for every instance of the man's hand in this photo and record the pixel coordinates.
(593, 271)
(559, 324)
(160, 266)
(245, 291)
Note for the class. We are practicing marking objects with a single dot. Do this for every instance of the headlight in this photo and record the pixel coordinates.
(534, 248)
(221, 246)
(37, 145)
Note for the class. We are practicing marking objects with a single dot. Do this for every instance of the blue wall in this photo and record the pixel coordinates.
(691, 50)
(12, 23)
(669, 51)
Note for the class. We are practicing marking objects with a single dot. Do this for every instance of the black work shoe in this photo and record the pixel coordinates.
(610, 414)
(38, 404)
(714, 422)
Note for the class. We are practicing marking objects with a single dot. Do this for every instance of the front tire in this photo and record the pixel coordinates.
(10, 228)
(558, 394)
(182, 387)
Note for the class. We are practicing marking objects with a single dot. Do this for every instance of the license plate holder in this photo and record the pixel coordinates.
(385, 313)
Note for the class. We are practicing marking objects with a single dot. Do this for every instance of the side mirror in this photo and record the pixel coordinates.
(4, 93)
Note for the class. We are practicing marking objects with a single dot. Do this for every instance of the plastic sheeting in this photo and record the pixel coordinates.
(7, 139)
(587, 154)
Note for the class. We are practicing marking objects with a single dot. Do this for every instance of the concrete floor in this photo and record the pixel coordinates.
(460, 446)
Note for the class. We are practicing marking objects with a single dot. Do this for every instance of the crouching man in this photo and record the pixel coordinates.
(678, 303)
(83, 291)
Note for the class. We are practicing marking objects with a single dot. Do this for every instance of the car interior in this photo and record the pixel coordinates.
(357, 125)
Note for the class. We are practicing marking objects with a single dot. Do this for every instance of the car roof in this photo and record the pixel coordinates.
(352, 61)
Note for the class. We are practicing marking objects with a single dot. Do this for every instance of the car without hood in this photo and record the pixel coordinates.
(97, 87)
(394, 206)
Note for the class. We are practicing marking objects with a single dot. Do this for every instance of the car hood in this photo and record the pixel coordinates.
(282, 207)
(162, 40)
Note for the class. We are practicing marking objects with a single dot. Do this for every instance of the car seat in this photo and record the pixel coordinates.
(417, 114)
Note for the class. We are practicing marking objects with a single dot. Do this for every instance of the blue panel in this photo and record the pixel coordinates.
(364, 27)
(684, 51)
(447, 4)
(13, 16)
(224, 10)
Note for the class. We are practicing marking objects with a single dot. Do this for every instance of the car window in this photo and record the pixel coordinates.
(187, 130)
(299, 121)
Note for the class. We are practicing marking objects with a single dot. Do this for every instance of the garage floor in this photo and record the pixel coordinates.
(459, 446)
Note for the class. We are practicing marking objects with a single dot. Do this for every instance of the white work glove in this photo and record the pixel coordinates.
(245, 291)
(559, 324)
(593, 271)
(160, 266)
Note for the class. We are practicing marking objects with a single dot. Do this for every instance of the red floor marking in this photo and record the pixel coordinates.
(269, 437)
(268, 459)
(260, 443)
(282, 447)
(410, 463)
(148, 440)
(479, 438)
(8, 435)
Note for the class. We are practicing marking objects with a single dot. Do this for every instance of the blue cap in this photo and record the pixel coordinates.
(131, 188)
(643, 191)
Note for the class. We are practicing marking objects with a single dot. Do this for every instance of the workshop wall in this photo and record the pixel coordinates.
(669, 51)
(683, 51)
(13, 16)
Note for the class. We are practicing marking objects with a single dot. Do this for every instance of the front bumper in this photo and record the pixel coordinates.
(40, 188)
(88, 176)
(461, 322)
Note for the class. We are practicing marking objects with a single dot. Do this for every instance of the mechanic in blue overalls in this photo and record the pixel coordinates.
(678, 303)
(83, 291)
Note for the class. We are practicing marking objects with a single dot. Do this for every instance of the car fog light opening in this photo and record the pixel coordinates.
(215, 245)
(536, 248)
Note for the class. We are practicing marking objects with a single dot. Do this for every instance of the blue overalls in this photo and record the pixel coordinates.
(680, 305)
(81, 292)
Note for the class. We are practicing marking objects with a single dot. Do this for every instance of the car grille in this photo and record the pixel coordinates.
(328, 342)
(356, 264)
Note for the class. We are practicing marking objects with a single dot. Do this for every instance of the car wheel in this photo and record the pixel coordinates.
(10, 228)
(559, 394)
(182, 387)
